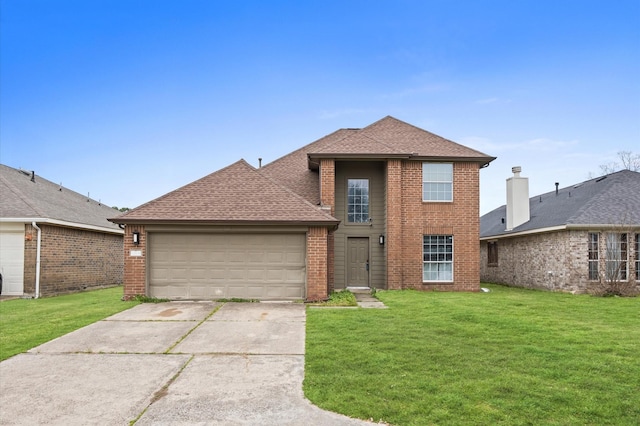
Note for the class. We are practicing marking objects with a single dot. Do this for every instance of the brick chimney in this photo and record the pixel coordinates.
(517, 199)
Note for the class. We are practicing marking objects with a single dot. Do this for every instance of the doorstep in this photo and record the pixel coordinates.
(366, 300)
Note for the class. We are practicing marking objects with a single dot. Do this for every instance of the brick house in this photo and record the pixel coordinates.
(388, 206)
(568, 239)
(53, 240)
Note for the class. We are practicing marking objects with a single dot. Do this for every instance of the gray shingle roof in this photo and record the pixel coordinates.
(613, 199)
(20, 198)
(238, 193)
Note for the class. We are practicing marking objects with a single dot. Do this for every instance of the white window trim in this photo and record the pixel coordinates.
(607, 250)
(452, 261)
(423, 182)
(346, 203)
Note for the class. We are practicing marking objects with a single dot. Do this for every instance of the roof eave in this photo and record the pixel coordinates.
(323, 223)
(64, 223)
(314, 165)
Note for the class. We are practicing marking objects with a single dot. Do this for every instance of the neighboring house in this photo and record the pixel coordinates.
(389, 206)
(568, 239)
(53, 240)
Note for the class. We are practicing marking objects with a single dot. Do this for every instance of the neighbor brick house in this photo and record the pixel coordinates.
(53, 240)
(388, 206)
(569, 239)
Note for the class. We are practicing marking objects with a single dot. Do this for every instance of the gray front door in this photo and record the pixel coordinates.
(358, 261)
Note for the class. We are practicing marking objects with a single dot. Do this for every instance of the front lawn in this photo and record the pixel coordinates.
(27, 323)
(510, 357)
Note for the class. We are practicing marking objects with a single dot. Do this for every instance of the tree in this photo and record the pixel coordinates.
(121, 209)
(628, 161)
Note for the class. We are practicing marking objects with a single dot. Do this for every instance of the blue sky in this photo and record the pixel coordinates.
(130, 99)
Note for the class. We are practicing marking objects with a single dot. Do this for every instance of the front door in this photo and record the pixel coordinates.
(358, 262)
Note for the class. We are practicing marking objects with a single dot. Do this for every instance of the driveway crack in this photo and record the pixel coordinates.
(192, 329)
(163, 391)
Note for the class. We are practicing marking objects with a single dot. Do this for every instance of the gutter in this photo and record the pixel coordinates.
(64, 223)
(568, 227)
(37, 259)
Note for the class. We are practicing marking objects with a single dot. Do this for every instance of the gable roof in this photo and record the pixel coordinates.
(40, 200)
(391, 137)
(293, 171)
(386, 138)
(238, 194)
(610, 200)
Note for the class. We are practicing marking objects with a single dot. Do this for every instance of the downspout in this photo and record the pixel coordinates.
(37, 260)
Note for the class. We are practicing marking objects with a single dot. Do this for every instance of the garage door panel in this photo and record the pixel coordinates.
(205, 266)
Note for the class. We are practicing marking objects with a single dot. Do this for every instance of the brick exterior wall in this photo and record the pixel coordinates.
(459, 218)
(71, 260)
(317, 284)
(393, 238)
(135, 267)
(328, 198)
(556, 261)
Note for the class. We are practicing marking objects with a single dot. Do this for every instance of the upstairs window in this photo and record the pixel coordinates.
(358, 201)
(437, 182)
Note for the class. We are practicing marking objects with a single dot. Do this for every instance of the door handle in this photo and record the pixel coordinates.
(366, 266)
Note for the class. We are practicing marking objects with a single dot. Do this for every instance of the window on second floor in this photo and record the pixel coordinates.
(358, 200)
(437, 182)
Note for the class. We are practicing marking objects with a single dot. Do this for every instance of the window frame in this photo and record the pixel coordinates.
(637, 256)
(492, 253)
(347, 204)
(620, 249)
(448, 274)
(593, 256)
(425, 182)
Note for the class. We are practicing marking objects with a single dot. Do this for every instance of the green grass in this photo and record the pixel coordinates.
(27, 323)
(508, 357)
(339, 299)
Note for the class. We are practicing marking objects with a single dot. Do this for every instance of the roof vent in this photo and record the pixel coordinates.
(602, 178)
(33, 176)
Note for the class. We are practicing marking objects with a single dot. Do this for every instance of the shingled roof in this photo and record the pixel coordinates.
(392, 137)
(608, 200)
(25, 196)
(386, 138)
(238, 194)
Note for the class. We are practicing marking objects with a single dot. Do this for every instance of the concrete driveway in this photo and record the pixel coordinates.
(169, 363)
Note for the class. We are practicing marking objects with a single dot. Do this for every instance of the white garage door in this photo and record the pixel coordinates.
(12, 261)
(214, 266)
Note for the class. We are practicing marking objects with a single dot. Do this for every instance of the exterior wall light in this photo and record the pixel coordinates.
(136, 237)
(381, 239)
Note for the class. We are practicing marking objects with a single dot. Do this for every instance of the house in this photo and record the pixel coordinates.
(53, 240)
(388, 206)
(569, 239)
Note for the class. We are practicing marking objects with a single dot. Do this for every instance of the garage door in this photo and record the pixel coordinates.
(213, 266)
(12, 261)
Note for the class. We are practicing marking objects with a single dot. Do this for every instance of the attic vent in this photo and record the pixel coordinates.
(577, 186)
(602, 178)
